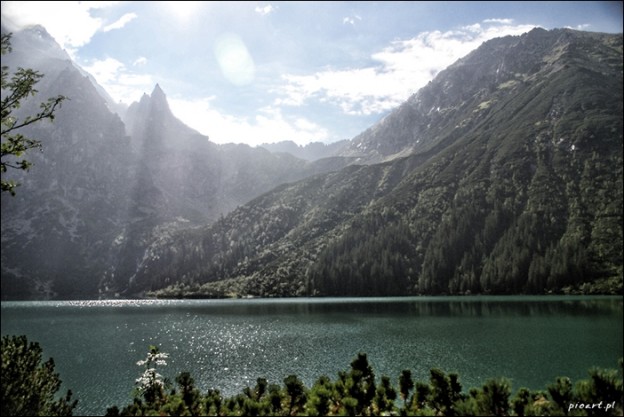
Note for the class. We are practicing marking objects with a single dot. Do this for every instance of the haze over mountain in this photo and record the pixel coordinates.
(310, 152)
(102, 187)
(503, 175)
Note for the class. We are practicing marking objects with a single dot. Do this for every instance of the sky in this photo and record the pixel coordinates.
(264, 72)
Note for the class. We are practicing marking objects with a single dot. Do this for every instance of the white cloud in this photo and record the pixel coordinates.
(501, 21)
(584, 26)
(402, 68)
(140, 61)
(358, 91)
(105, 70)
(70, 23)
(265, 10)
(351, 20)
(267, 126)
(121, 22)
(121, 84)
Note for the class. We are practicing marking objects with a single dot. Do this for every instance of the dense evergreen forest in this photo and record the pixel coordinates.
(29, 388)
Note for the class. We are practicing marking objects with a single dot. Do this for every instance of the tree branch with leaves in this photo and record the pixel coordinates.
(15, 89)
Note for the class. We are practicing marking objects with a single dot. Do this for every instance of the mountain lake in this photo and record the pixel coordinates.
(228, 344)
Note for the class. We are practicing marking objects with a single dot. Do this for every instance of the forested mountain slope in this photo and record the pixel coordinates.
(513, 184)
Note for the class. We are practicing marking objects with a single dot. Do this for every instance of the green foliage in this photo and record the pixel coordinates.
(29, 387)
(561, 393)
(528, 403)
(296, 393)
(320, 398)
(355, 392)
(14, 91)
(445, 392)
(384, 397)
(493, 400)
(405, 386)
(603, 387)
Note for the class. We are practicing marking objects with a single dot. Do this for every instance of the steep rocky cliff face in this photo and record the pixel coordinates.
(72, 203)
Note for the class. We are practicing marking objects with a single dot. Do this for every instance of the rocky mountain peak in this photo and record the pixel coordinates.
(159, 99)
(151, 119)
(156, 103)
(158, 91)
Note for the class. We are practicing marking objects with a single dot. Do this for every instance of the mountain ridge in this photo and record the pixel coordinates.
(421, 109)
(503, 175)
(310, 152)
(518, 189)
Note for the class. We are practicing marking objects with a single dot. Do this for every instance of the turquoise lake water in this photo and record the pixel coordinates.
(228, 344)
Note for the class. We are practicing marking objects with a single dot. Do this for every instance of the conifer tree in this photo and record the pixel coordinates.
(29, 387)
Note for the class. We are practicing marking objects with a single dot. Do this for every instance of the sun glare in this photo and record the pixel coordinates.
(182, 11)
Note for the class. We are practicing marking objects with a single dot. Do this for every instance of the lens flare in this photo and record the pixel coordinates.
(234, 59)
